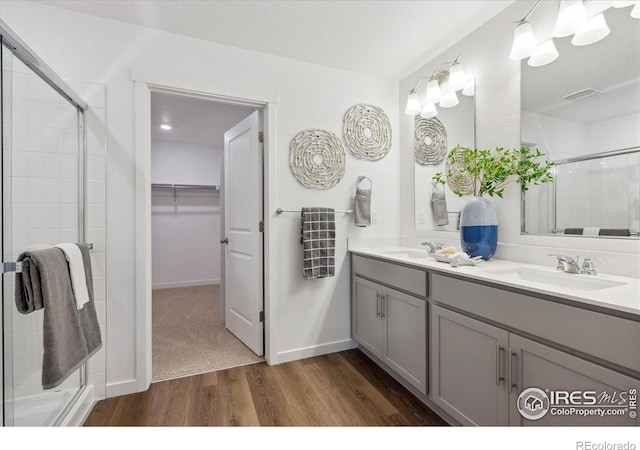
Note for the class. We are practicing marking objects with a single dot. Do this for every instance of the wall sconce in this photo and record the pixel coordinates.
(585, 21)
(442, 85)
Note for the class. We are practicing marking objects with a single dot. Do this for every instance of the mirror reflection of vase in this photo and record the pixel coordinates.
(479, 228)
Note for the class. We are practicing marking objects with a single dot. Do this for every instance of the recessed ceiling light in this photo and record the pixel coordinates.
(166, 126)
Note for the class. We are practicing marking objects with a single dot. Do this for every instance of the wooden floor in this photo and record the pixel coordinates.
(341, 389)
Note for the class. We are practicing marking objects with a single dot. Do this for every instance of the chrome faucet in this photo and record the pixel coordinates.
(588, 266)
(433, 247)
(567, 263)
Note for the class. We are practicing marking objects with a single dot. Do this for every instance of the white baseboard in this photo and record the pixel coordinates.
(81, 410)
(122, 388)
(316, 350)
(176, 284)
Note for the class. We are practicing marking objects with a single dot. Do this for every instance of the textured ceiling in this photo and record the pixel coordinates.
(387, 39)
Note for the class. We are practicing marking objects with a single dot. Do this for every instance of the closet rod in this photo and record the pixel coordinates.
(185, 186)
(280, 211)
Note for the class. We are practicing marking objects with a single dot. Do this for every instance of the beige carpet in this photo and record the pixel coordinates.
(188, 337)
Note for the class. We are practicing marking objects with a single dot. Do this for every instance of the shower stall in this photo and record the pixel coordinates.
(43, 142)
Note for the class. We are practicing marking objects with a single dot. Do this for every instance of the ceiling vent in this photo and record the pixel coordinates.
(583, 94)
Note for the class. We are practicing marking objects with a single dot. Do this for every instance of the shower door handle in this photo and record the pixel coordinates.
(224, 241)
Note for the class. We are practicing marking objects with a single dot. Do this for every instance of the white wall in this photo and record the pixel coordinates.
(485, 55)
(614, 134)
(185, 234)
(311, 316)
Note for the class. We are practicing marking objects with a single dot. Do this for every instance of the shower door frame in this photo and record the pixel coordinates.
(9, 40)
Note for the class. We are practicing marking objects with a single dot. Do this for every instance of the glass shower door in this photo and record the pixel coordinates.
(41, 198)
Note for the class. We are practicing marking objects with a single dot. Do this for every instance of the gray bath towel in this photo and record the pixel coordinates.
(439, 205)
(319, 242)
(70, 336)
(363, 204)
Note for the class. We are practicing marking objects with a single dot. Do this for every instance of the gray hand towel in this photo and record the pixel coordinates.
(439, 205)
(319, 242)
(70, 336)
(363, 204)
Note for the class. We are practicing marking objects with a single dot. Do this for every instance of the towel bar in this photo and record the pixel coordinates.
(17, 266)
(280, 211)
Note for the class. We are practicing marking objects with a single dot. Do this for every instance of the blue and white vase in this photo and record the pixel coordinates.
(479, 228)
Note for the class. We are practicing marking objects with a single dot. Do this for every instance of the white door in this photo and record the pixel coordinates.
(243, 292)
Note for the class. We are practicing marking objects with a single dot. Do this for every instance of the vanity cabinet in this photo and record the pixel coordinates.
(468, 368)
(479, 370)
(391, 325)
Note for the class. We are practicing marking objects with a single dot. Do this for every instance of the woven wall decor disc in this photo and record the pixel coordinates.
(367, 132)
(430, 141)
(317, 158)
(463, 184)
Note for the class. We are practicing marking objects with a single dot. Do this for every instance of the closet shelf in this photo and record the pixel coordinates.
(185, 186)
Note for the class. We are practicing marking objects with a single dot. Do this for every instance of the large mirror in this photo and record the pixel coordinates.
(454, 126)
(583, 111)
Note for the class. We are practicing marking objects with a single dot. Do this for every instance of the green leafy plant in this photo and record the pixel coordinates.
(491, 171)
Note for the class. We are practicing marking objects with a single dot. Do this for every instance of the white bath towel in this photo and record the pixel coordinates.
(591, 231)
(76, 269)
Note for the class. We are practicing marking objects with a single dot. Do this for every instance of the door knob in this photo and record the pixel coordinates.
(224, 241)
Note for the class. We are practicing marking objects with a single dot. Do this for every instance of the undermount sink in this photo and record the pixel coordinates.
(560, 279)
(411, 254)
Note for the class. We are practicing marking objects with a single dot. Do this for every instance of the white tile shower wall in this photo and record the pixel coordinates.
(39, 116)
(308, 96)
(486, 57)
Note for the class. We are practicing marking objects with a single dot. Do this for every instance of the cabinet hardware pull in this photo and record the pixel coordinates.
(378, 305)
(512, 375)
(499, 351)
(385, 301)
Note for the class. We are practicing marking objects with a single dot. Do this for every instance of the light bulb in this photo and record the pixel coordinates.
(469, 88)
(449, 100)
(413, 104)
(524, 42)
(456, 77)
(433, 92)
(635, 12)
(545, 54)
(572, 18)
(428, 111)
(595, 30)
(166, 126)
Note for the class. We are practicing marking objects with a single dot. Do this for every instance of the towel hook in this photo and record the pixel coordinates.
(362, 177)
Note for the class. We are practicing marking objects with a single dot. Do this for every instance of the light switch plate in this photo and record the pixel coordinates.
(375, 217)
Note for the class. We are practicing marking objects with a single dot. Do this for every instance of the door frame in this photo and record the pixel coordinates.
(145, 82)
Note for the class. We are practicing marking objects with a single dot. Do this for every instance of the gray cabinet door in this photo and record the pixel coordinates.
(405, 334)
(468, 368)
(367, 316)
(535, 365)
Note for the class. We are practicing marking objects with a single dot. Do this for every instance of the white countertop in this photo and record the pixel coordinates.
(624, 297)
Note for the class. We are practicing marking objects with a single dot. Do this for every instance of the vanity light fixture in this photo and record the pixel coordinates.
(166, 126)
(572, 18)
(585, 21)
(595, 30)
(544, 54)
(442, 85)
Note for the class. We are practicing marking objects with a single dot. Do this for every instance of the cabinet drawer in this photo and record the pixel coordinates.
(400, 277)
(609, 338)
